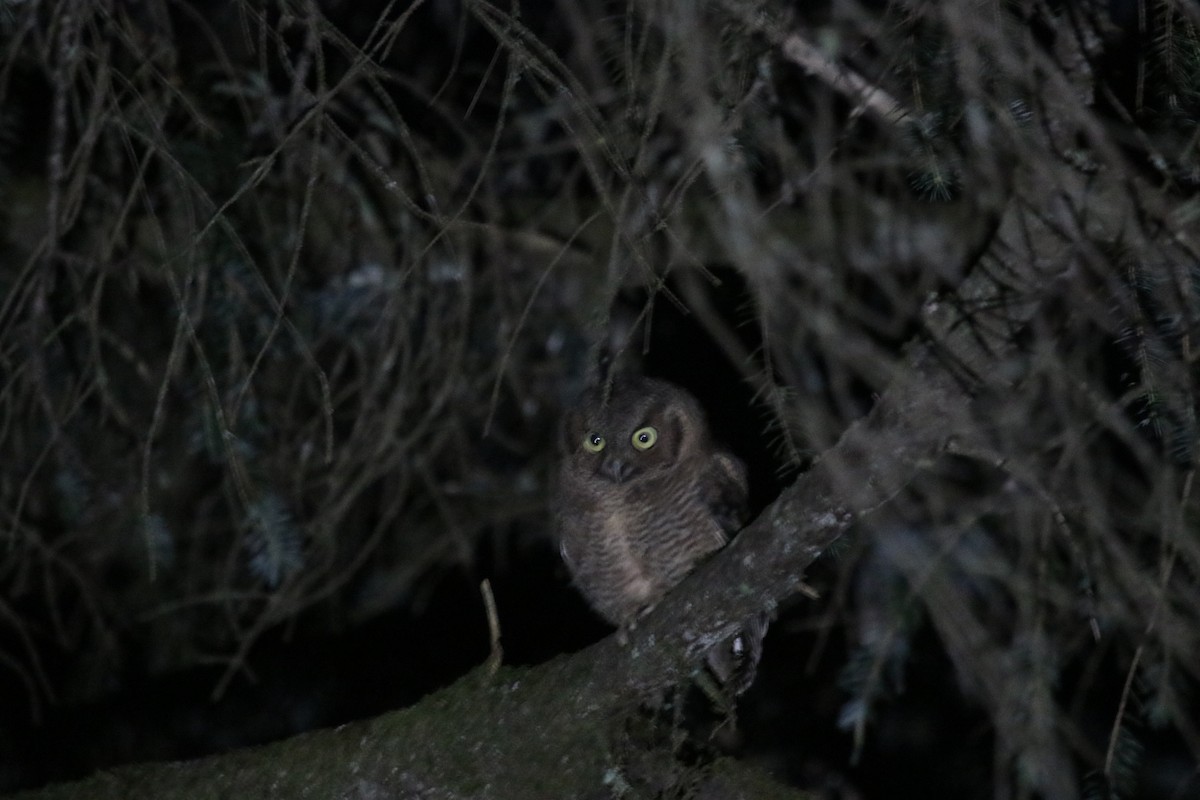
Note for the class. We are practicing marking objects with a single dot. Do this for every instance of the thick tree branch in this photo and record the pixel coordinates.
(547, 727)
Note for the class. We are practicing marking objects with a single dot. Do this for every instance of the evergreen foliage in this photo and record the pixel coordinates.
(292, 294)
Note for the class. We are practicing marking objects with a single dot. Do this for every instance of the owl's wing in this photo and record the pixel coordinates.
(728, 492)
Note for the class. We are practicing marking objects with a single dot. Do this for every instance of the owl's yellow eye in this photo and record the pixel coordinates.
(593, 443)
(644, 438)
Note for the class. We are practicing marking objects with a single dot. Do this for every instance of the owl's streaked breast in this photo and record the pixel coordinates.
(626, 548)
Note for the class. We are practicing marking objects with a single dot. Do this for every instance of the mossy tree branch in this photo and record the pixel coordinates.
(545, 730)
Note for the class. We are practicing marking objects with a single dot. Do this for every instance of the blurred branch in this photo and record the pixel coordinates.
(869, 98)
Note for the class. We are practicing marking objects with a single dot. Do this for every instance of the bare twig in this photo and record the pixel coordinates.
(496, 650)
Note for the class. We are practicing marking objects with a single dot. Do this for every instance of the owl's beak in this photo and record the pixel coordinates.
(616, 469)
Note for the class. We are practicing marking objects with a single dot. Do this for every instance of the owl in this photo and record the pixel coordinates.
(644, 494)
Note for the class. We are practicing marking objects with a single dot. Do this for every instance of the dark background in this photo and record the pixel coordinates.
(402, 237)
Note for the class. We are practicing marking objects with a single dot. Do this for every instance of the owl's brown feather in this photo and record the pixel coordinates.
(634, 520)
